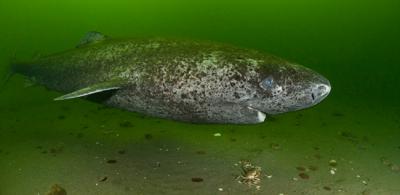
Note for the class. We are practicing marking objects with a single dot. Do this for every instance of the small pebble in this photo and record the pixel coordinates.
(197, 179)
(121, 151)
(304, 176)
(148, 136)
(301, 168)
(366, 192)
(332, 163)
(337, 114)
(158, 164)
(394, 167)
(111, 161)
(200, 152)
(327, 188)
(103, 179)
(79, 135)
(126, 124)
(57, 190)
(275, 146)
(313, 168)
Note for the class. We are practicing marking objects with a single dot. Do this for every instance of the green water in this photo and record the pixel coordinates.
(355, 44)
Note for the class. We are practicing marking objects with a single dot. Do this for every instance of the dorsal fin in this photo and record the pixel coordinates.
(91, 37)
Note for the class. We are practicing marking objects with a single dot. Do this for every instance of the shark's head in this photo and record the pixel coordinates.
(287, 88)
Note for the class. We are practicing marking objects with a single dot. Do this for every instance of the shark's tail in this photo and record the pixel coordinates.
(8, 72)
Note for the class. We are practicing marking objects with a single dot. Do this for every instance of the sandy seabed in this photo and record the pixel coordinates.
(336, 147)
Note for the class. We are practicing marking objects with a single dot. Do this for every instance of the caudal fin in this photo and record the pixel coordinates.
(8, 73)
(5, 79)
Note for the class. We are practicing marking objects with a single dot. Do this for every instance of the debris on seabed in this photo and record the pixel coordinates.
(111, 161)
(158, 164)
(312, 168)
(102, 179)
(304, 176)
(300, 168)
(197, 179)
(332, 163)
(148, 136)
(392, 166)
(217, 134)
(57, 190)
(121, 151)
(333, 171)
(275, 146)
(200, 152)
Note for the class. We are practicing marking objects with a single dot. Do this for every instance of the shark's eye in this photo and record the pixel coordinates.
(267, 83)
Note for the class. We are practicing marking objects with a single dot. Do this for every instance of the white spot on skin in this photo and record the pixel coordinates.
(277, 90)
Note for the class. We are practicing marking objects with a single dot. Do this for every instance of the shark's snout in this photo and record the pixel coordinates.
(320, 91)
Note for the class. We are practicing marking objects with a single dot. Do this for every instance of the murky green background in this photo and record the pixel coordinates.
(353, 43)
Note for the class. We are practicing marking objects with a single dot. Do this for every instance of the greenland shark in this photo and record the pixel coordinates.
(184, 80)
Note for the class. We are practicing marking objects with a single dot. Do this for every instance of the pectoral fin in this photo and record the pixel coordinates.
(96, 88)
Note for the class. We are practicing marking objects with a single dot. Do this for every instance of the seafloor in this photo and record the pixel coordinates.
(341, 146)
(348, 144)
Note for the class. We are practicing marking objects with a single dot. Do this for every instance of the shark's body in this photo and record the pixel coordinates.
(185, 80)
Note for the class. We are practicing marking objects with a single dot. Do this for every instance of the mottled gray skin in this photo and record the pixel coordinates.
(193, 81)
